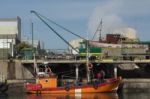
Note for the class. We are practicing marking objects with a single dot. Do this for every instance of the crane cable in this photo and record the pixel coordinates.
(62, 27)
(53, 30)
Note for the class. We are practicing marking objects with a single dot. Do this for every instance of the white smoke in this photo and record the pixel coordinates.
(126, 32)
(110, 14)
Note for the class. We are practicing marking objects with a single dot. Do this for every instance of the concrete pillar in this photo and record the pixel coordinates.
(115, 71)
(11, 70)
(77, 72)
(87, 72)
(19, 70)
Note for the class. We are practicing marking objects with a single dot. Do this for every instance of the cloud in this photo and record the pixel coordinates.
(109, 15)
(117, 14)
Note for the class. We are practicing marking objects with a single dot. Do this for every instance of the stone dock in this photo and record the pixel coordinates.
(17, 75)
(136, 85)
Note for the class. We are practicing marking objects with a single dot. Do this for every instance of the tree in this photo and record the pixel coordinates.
(21, 46)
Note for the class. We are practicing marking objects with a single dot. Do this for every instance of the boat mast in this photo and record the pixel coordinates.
(33, 51)
(99, 29)
(35, 64)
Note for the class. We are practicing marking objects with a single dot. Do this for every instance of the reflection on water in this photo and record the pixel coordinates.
(76, 96)
(136, 95)
(60, 96)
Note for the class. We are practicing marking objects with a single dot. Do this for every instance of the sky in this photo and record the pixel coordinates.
(80, 16)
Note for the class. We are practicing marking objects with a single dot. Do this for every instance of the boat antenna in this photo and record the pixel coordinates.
(99, 29)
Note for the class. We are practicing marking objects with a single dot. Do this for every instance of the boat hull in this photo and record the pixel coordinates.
(74, 96)
(109, 86)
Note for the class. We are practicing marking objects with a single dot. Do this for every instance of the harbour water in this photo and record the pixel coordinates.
(126, 95)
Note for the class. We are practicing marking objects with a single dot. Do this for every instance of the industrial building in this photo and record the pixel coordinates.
(117, 46)
(10, 35)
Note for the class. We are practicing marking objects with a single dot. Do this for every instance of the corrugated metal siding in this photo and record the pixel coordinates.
(4, 54)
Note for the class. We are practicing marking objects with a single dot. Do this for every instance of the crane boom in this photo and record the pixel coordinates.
(53, 30)
(40, 17)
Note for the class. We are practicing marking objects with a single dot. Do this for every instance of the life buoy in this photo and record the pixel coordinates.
(90, 66)
(49, 70)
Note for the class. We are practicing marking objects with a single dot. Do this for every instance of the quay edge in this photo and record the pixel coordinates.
(17, 75)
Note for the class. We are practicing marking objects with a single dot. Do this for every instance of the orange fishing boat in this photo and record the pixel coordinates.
(48, 83)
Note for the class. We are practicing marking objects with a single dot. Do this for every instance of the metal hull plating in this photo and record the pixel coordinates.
(110, 86)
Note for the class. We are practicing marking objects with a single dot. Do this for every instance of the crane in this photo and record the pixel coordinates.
(61, 27)
(42, 19)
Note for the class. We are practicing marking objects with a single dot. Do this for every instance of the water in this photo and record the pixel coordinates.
(136, 95)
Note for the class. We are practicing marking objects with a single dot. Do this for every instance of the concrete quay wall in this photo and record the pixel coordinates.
(14, 70)
(136, 85)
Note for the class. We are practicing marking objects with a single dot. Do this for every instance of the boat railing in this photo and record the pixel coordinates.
(71, 81)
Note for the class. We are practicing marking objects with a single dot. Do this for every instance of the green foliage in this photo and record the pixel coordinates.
(22, 46)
